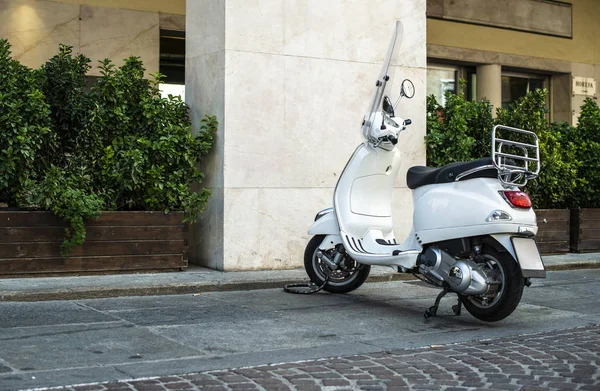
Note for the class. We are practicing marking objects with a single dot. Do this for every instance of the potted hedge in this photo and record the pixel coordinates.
(585, 215)
(95, 178)
(461, 131)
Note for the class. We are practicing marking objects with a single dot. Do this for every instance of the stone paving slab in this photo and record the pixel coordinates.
(197, 280)
(142, 336)
(560, 360)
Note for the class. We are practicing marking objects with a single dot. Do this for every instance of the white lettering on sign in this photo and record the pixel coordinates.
(584, 86)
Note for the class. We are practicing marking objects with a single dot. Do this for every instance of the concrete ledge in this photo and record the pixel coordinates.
(196, 280)
(199, 280)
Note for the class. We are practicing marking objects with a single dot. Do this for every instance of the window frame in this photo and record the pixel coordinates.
(461, 71)
(164, 56)
(531, 75)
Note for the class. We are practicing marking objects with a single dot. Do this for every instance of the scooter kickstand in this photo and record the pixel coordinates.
(432, 311)
(456, 308)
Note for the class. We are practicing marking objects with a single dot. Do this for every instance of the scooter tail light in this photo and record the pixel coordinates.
(517, 199)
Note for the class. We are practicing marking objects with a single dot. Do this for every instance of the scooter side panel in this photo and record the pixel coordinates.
(441, 234)
(458, 208)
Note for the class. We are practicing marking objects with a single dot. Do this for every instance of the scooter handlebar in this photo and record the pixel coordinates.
(407, 122)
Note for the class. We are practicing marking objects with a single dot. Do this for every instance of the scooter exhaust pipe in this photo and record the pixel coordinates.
(323, 257)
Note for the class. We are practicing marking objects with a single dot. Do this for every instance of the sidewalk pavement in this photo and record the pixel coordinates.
(197, 279)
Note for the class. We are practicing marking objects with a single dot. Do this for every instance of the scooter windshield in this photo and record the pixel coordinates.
(384, 79)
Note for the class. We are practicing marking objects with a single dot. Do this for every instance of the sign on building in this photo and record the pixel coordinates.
(584, 86)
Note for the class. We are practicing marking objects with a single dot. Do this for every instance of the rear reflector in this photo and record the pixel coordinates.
(518, 199)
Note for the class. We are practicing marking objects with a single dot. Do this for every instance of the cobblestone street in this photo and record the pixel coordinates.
(565, 360)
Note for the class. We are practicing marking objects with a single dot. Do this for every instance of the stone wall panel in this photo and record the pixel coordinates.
(110, 33)
(36, 28)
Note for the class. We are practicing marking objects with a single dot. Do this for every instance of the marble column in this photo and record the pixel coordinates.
(489, 84)
(289, 82)
(205, 93)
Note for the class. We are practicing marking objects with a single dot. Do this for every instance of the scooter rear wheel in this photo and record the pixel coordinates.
(504, 269)
(349, 276)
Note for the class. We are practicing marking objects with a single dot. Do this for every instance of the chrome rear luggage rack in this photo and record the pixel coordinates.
(516, 161)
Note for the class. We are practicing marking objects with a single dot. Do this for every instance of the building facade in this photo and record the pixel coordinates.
(289, 81)
(100, 29)
(502, 49)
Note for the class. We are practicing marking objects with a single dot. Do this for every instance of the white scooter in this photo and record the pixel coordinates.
(473, 229)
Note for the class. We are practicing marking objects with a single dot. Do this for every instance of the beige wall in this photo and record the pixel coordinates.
(35, 28)
(553, 18)
(583, 48)
(166, 6)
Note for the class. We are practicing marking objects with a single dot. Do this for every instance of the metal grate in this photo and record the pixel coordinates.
(516, 155)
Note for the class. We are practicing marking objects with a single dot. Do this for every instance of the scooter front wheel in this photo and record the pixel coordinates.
(347, 277)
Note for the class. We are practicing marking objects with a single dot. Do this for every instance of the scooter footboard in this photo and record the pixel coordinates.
(525, 251)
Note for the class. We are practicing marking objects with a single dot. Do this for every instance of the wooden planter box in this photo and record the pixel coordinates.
(116, 242)
(553, 230)
(585, 230)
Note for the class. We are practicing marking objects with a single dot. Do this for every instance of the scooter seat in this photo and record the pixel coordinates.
(420, 175)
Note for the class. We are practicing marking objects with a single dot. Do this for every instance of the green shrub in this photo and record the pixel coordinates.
(65, 193)
(587, 137)
(460, 131)
(557, 181)
(464, 133)
(64, 87)
(78, 151)
(27, 142)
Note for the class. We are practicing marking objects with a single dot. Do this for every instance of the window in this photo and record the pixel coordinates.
(172, 62)
(515, 86)
(441, 79)
(472, 85)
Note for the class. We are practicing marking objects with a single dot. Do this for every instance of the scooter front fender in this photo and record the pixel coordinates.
(325, 225)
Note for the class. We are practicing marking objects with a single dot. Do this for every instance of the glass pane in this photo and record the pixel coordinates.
(439, 81)
(536, 84)
(172, 56)
(512, 89)
(472, 86)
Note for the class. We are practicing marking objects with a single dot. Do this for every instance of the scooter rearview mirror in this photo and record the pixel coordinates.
(408, 88)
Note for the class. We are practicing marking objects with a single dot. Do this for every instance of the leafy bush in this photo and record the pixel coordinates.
(463, 133)
(151, 156)
(65, 193)
(587, 138)
(557, 181)
(460, 131)
(115, 146)
(63, 84)
(27, 141)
